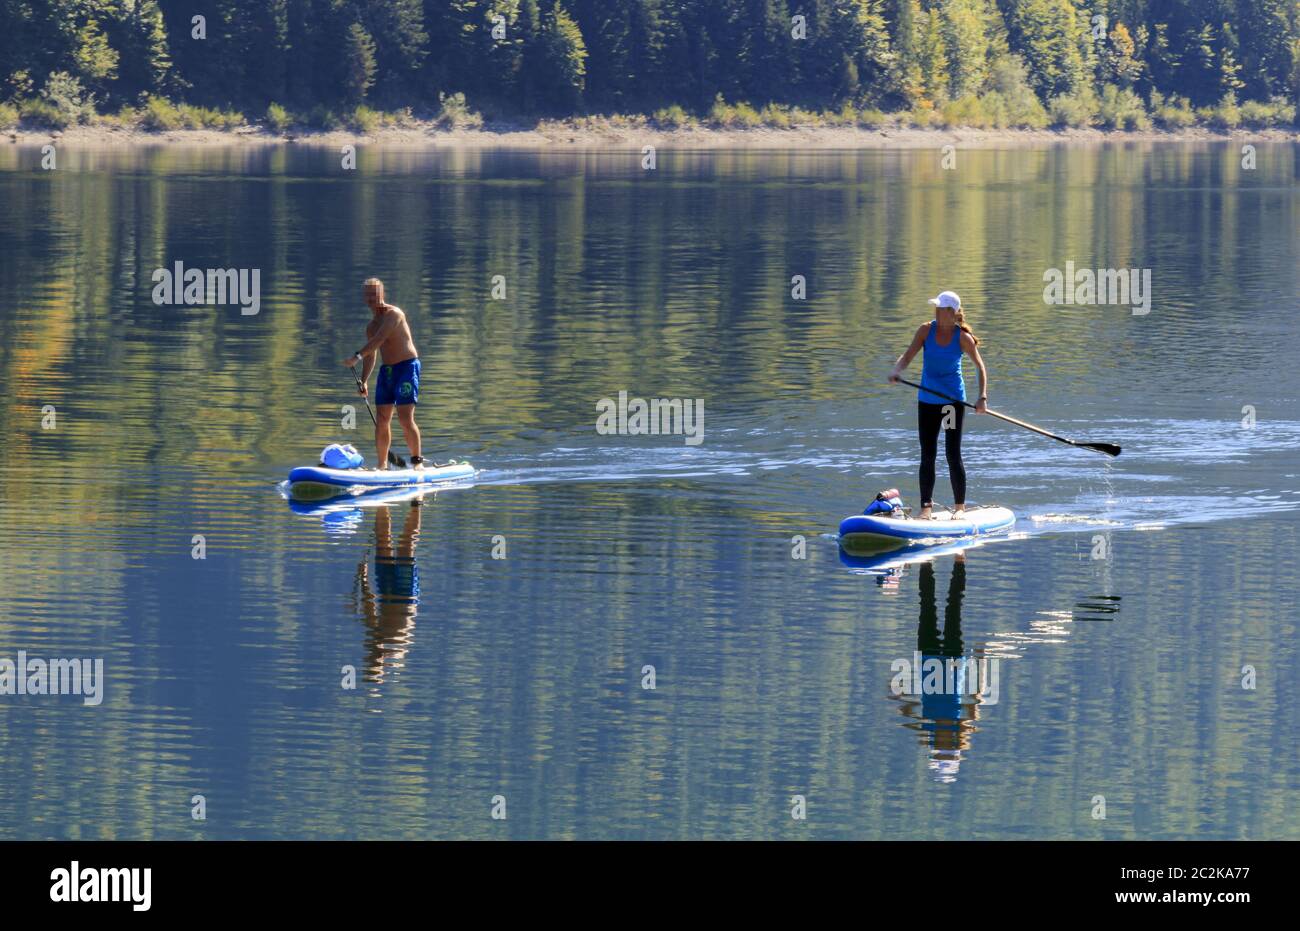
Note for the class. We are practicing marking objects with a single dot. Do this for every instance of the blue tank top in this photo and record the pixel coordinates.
(941, 368)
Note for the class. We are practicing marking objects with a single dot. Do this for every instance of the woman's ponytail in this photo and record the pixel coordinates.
(961, 325)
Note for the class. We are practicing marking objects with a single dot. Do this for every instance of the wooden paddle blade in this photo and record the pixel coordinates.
(1110, 449)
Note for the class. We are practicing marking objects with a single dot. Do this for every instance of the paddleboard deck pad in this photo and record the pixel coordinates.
(317, 482)
(880, 531)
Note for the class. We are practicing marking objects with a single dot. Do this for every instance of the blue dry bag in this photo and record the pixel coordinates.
(885, 503)
(341, 457)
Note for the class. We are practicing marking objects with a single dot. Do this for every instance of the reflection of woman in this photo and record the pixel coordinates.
(942, 644)
(944, 340)
(389, 609)
(948, 714)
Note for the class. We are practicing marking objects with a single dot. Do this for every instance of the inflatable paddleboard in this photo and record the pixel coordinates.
(316, 482)
(879, 531)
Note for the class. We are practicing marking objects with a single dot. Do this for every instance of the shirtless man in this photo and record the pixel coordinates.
(398, 384)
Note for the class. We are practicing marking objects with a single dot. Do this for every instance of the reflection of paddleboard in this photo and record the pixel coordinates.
(351, 499)
(319, 482)
(895, 557)
(878, 531)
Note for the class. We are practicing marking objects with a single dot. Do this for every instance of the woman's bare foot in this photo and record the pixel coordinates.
(959, 509)
(925, 513)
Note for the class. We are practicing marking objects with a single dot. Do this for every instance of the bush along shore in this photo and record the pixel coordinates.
(1005, 113)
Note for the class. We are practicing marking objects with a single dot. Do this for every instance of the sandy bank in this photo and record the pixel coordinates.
(582, 136)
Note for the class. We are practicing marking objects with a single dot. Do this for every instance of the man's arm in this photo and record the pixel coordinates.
(367, 351)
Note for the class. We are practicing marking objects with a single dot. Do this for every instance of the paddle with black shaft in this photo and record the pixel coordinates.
(1110, 449)
(392, 456)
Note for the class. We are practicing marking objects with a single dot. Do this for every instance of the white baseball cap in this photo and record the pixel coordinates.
(947, 299)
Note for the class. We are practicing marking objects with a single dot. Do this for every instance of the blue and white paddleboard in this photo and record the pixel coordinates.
(321, 481)
(876, 530)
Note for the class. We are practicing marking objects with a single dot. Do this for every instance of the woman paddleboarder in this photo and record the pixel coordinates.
(944, 340)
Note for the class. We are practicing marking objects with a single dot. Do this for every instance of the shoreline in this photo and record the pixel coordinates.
(566, 134)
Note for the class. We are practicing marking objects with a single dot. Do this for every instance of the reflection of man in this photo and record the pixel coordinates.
(389, 608)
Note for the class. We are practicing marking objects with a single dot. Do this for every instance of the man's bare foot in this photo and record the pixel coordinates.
(417, 462)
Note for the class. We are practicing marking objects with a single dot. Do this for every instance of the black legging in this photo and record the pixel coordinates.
(929, 418)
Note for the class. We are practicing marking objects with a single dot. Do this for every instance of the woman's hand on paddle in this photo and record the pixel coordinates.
(900, 366)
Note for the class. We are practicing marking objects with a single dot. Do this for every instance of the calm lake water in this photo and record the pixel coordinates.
(522, 677)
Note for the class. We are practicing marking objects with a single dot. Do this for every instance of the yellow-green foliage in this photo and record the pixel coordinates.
(871, 118)
(160, 114)
(923, 114)
(1010, 101)
(776, 116)
(733, 116)
(39, 112)
(391, 119)
(277, 118)
(192, 117)
(996, 110)
(1260, 113)
(1225, 115)
(673, 117)
(1172, 112)
(965, 111)
(847, 115)
(125, 118)
(455, 113)
(8, 116)
(364, 120)
(1076, 109)
(1120, 108)
(64, 93)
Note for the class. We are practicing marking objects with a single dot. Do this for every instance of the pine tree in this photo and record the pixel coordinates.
(933, 57)
(360, 60)
(766, 56)
(1266, 32)
(553, 63)
(1054, 41)
(908, 72)
(967, 44)
(401, 45)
